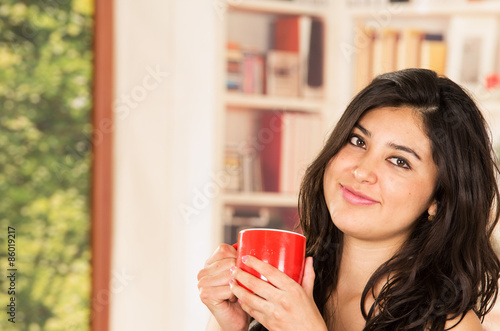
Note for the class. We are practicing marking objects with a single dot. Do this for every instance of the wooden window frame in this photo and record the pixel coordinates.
(102, 164)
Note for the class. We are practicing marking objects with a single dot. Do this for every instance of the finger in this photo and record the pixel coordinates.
(309, 275)
(218, 267)
(223, 251)
(218, 279)
(254, 284)
(214, 296)
(249, 301)
(272, 274)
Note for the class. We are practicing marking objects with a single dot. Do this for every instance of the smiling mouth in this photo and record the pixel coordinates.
(356, 198)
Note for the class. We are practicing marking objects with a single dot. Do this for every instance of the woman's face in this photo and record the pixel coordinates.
(383, 178)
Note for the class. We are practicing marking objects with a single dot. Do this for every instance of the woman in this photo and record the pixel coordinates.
(398, 210)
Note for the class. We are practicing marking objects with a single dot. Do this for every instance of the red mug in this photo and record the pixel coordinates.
(282, 249)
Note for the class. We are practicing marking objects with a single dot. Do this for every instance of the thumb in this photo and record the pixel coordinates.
(309, 275)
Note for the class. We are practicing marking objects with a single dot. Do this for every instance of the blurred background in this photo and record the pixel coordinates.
(45, 153)
(135, 137)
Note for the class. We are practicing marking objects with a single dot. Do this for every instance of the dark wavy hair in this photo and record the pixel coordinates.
(446, 267)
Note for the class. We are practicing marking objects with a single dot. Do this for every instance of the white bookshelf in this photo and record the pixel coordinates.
(248, 106)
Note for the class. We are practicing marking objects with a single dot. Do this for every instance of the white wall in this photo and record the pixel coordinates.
(164, 132)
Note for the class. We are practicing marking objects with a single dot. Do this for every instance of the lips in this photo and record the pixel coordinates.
(356, 198)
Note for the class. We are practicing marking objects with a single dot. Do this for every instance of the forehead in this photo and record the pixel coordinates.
(400, 125)
(394, 117)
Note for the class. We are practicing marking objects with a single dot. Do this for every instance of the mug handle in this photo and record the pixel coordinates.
(235, 246)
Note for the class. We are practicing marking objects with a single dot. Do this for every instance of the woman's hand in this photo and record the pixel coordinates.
(284, 306)
(215, 293)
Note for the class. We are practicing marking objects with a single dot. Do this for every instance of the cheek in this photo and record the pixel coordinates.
(327, 177)
(339, 162)
(334, 169)
(412, 196)
(331, 176)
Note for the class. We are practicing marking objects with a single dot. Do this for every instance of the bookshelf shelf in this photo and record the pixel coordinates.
(278, 7)
(425, 9)
(263, 102)
(262, 199)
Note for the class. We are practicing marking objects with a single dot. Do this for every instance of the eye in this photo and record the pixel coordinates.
(357, 141)
(399, 162)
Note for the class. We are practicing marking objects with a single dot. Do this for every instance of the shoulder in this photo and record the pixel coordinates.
(470, 322)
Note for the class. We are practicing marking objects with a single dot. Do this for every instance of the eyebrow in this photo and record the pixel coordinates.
(392, 145)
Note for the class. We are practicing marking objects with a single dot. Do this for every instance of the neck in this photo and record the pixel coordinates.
(360, 260)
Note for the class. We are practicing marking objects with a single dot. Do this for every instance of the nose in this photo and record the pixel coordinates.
(364, 172)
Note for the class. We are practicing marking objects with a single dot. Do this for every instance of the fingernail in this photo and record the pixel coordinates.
(239, 301)
(244, 259)
(232, 269)
(231, 282)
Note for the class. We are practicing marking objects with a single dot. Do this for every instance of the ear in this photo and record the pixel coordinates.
(432, 208)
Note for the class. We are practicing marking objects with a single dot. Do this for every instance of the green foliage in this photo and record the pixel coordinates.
(45, 102)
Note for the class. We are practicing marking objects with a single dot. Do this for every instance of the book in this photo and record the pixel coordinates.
(385, 51)
(282, 73)
(288, 152)
(303, 35)
(313, 85)
(260, 74)
(286, 36)
(233, 171)
(270, 155)
(248, 73)
(293, 145)
(305, 143)
(409, 48)
(388, 49)
(247, 172)
(234, 71)
(253, 72)
(251, 171)
(315, 58)
(364, 57)
(433, 53)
